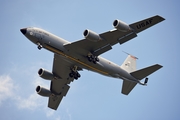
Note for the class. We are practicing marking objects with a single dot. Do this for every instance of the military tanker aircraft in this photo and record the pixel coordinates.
(72, 57)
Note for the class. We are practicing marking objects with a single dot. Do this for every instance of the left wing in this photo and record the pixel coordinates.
(111, 38)
(104, 41)
(59, 87)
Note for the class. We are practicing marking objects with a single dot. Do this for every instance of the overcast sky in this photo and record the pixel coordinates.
(93, 96)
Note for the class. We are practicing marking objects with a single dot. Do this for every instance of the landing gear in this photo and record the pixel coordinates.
(39, 46)
(74, 73)
(92, 58)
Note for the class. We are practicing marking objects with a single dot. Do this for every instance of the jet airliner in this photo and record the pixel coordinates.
(72, 57)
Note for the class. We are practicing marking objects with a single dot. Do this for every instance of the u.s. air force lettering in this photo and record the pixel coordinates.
(145, 23)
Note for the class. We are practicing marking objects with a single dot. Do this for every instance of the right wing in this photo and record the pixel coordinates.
(110, 38)
(59, 86)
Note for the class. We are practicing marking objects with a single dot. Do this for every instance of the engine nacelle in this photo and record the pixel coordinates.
(121, 26)
(92, 36)
(43, 91)
(46, 74)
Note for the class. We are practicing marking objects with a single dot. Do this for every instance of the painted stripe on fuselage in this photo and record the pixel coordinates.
(55, 50)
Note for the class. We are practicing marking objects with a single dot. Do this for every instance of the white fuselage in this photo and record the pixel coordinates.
(56, 45)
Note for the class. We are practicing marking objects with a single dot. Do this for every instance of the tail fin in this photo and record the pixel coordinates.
(129, 64)
(139, 74)
(142, 73)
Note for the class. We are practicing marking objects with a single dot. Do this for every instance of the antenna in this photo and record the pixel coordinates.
(130, 55)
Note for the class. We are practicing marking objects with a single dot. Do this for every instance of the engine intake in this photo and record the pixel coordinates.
(121, 26)
(43, 91)
(92, 36)
(46, 74)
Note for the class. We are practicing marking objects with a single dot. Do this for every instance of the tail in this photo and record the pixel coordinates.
(129, 64)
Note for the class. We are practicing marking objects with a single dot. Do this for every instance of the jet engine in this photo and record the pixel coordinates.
(46, 74)
(92, 36)
(121, 26)
(43, 91)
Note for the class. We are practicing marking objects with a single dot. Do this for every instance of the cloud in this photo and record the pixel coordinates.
(27, 99)
(7, 88)
(68, 113)
(49, 112)
(32, 102)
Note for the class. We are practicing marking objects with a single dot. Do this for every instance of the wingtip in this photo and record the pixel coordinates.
(161, 18)
(160, 66)
(124, 93)
(53, 108)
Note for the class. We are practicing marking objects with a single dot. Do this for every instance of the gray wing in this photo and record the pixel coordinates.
(111, 38)
(59, 86)
(127, 87)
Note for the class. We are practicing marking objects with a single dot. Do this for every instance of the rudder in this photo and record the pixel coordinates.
(129, 64)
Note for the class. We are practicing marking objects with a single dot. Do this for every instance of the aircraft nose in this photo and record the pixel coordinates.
(23, 30)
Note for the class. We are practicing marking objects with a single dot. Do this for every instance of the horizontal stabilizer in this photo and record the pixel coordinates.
(142, 73)
(127, 87)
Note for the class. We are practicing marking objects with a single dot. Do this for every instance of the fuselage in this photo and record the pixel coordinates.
(56, 44)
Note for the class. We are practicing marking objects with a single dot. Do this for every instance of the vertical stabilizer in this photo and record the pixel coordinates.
(129, 64)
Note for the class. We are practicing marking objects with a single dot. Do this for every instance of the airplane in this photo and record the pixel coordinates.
(72, 57)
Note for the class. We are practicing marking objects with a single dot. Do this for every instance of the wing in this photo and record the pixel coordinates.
(111, 38)
(60, 87)
(127, 87)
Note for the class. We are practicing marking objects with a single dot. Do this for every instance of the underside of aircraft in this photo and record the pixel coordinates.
(72, 57)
